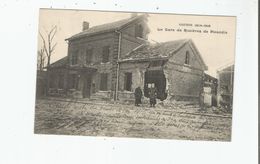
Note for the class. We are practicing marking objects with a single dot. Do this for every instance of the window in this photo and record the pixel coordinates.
(139, 31)
(105, 54)
(128, 81)
(89, 56)
(103, 81)
(187, 57)
(74, 58)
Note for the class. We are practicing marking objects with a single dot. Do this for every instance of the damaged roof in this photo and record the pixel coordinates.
(59, 63)
(108, 27)
(150, 51)
(160, 51)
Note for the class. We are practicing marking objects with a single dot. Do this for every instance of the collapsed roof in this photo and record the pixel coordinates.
(160, 51)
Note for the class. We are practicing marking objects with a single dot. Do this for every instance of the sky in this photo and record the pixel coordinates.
(216, 49)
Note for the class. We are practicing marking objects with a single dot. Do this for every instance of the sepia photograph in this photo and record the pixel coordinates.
(135, 75)
(120, 81)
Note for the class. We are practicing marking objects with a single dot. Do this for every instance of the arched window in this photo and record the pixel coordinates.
(187, 58)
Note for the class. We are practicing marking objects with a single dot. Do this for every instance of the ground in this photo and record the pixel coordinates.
(61, 116)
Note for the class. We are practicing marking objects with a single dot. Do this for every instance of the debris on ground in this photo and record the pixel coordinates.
(165, 121)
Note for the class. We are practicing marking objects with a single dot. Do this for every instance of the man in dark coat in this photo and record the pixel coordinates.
(152, 96)
(138, 96)
(201, 101)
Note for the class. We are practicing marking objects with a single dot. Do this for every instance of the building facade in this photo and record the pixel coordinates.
(175, 68)
(91, 66)
(109, 61)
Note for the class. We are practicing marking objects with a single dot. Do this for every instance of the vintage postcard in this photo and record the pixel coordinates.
(142, 75)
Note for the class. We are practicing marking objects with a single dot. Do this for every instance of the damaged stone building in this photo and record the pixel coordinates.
(109, 61)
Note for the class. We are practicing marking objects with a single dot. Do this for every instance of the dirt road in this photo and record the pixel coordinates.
(102, 119)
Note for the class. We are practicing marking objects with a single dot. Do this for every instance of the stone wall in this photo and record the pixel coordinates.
(137, 70)
(183, 83)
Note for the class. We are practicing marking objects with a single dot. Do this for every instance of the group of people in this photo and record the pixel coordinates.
(152, 93)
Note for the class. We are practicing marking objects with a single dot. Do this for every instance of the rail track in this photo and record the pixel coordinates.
(158, 110)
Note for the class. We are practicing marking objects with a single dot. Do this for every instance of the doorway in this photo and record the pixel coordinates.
(157, 78)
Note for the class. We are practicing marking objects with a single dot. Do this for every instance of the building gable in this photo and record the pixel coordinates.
(189, 56)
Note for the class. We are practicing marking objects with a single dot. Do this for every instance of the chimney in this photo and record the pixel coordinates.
(85, 26)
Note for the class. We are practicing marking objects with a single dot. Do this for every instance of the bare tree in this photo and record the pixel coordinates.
(41, 59)
(48, 44)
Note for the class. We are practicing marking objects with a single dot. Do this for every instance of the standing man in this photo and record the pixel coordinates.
(138, 96)
(152, 95)
(201, 101)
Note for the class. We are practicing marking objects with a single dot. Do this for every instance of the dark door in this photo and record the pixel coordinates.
(87, 86)
(156, 77)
